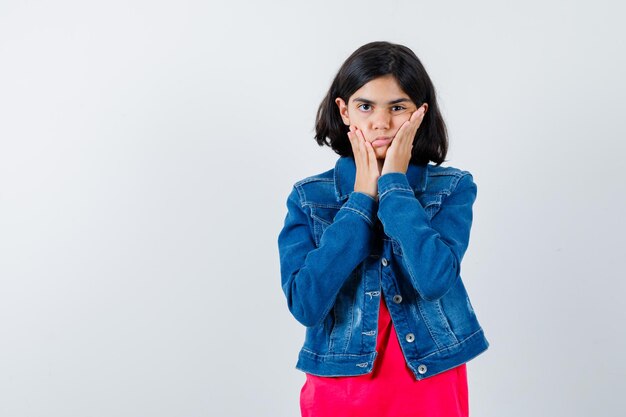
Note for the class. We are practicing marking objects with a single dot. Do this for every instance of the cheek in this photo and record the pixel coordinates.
(357, 120)
(400, 119)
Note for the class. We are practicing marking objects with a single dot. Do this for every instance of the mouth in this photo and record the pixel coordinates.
(382, 141)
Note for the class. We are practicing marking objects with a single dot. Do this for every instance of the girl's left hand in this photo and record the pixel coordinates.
(399, 152)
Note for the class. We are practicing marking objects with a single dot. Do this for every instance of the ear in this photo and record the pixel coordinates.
(425, 107)
(343, 110)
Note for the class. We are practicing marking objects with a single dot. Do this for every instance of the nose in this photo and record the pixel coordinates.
(381, 120)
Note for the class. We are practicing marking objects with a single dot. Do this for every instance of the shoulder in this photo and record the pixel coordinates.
(446, 179)
(315, 187)
(322, 177)
(434, 170)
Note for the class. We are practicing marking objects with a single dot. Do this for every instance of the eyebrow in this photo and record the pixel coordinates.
(366, 101)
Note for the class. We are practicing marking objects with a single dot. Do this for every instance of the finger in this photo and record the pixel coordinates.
(362, 155)
(359, 133)
(351, 139)
(402, 133)
(418, 116)
(368, 150)
(411, 131)
(373, 163)
(409, 128)
(361, 139)
(354, 142)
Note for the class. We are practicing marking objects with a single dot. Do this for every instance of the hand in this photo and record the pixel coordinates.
(367, 172)
(398, 154)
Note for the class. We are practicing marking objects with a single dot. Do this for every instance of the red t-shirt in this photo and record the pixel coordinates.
(389, 390)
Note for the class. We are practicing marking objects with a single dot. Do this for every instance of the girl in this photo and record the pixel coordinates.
(371, 250)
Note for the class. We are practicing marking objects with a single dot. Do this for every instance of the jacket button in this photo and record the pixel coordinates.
(384, 261)
(397, 299)
(410, 337)
(422, 369)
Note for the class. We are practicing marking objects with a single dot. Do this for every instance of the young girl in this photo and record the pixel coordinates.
(371, 250)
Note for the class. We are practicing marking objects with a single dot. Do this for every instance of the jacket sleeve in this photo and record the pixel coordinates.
(432, 250)
(312, 276)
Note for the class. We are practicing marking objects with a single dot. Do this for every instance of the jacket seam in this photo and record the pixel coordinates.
(330, 355)
(449, 347)
(395, 187)
(360, 213)
(421, 358)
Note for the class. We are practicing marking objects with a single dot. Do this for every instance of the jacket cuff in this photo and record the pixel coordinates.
(393, 181)
(363, 204)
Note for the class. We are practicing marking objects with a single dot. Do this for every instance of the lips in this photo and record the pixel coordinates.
(382, 141)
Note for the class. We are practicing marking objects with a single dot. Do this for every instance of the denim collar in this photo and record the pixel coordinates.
(345, 174)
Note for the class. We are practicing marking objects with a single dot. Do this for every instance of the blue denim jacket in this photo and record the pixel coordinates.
(340, 250)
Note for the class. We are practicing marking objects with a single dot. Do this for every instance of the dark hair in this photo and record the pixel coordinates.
(370, 61)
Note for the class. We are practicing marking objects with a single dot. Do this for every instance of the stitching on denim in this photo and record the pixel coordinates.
(319, 219)
(369, 333)
(453, 186)
(362, 365)
(373, 294)
(352, 301)
(331, 339)
(301, 195)
(455, 172)
(458, 181)
(454, 183)
(323, 205)
(359, 213)
(336, 181)
(432, 198)
(450, 346)
(428, 326)
(334, 355)
(313, 178)
(396, 188)
(445, 171)
(444, 319)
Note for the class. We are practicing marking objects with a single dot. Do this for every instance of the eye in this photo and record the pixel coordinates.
(360, 105)
(399, 107)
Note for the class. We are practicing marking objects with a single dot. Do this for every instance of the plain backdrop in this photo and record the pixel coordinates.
(147, 149)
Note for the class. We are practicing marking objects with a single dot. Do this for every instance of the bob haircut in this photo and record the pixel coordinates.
(370, 61)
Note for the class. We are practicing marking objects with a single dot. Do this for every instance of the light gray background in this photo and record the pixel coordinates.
(147, 150)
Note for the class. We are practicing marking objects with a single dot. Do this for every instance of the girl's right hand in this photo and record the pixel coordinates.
(367, 171)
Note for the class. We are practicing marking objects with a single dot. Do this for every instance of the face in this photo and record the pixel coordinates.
(378, 108)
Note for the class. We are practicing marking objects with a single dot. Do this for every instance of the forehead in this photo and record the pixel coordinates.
(383, 88)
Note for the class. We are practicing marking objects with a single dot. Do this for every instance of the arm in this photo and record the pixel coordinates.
(431, 250)
(312, 276)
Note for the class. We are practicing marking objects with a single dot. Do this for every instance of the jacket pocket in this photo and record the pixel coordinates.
(437, 323)
(431, 203)
(458, 309)
(323, 216)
